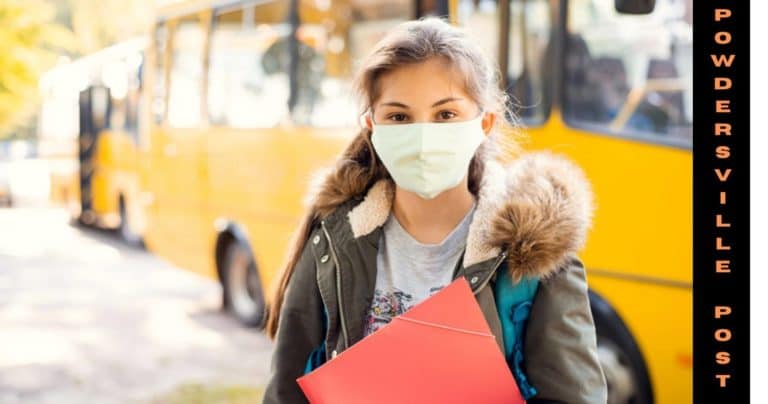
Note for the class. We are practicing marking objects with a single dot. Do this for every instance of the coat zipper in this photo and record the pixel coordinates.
(338, 287)
(493, 271)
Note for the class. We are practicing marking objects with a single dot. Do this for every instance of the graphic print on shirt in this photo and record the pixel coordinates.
(386, 306)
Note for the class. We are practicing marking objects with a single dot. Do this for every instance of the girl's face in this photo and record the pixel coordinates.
(424, 92)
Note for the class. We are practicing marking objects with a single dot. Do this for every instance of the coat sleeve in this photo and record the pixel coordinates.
(299, 332)
(561, 341)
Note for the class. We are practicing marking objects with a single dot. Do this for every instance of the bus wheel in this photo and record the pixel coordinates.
(242, 287)
(625, 371)
(126, 233)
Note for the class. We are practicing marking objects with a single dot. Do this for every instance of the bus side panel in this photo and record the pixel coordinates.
(643, 201)
(116, 174)
(258, 179)
(659, 317)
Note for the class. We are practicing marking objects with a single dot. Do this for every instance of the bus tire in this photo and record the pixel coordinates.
(242, 291)
(620, 358)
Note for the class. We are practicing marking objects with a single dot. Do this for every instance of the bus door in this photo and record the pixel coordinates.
(176, 169)
(93, 112)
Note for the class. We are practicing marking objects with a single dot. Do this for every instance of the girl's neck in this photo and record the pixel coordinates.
(429, 221)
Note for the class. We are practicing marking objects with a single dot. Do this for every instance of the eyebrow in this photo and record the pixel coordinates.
(441, 102)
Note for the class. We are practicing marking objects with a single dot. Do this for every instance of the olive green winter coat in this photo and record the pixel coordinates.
(531, 219)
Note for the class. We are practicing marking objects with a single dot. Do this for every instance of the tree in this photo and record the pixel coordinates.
(95, 25)
(29, 43)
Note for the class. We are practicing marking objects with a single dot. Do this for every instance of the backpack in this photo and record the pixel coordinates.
(513, 303)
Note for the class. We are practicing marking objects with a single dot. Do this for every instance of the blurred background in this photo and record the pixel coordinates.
(154, 156)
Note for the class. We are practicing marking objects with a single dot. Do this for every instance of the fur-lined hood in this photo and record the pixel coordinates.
(539, 208)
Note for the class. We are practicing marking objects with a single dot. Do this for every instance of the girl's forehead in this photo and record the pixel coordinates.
(425, 81)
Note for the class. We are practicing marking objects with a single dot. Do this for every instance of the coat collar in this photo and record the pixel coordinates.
(538, 208)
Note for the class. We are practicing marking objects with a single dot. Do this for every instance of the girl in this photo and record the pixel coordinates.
(421, 197)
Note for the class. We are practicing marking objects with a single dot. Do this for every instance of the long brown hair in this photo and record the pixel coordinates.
(359, 167)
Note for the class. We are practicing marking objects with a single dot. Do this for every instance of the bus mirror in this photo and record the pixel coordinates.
(634, 6)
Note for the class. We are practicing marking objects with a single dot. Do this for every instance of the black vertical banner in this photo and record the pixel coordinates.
(721, 202)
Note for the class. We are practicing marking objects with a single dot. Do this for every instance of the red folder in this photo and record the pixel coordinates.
(440, 351)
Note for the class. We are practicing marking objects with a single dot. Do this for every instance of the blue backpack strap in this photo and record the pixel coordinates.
(513, 303)
(317, 356)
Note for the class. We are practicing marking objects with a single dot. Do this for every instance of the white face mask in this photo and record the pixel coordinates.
(428, 158)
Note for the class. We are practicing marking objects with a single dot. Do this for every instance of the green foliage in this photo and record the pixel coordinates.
(29, 42)
(96, 27)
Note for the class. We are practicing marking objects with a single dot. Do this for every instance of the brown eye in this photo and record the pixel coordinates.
(447, 115)
(397, 117)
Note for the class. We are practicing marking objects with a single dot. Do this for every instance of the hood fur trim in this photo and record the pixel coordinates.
(539, 208)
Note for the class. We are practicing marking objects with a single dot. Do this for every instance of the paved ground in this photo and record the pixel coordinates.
(87, 319)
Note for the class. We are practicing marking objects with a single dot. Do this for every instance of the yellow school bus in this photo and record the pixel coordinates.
(245, 99)
(90, 115)
(613, 90)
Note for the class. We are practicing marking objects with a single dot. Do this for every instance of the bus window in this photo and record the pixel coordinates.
(248, 83)
(158, 94)
(184, 92)
(115, 77)
(133, 96)
(480, 19)
(529, 73)
(433, 8)
(332, 38)
(630, 74)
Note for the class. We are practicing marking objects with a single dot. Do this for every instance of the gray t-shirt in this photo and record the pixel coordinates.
(409, 271)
